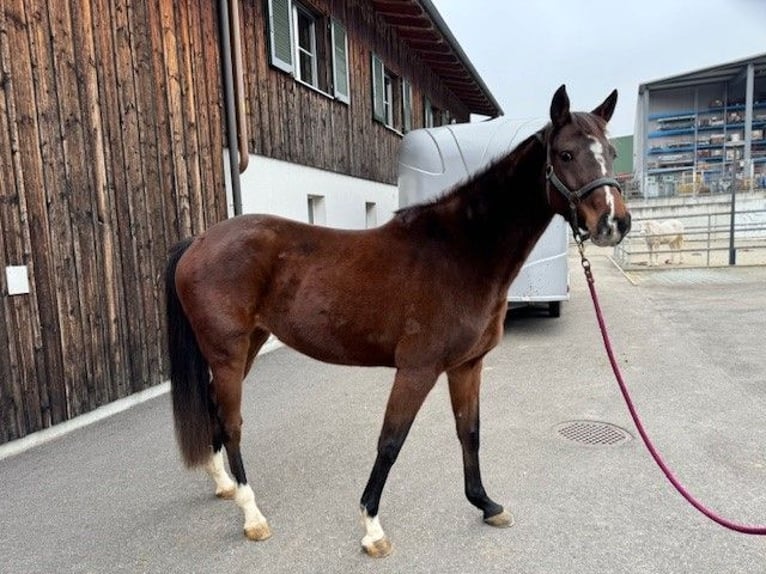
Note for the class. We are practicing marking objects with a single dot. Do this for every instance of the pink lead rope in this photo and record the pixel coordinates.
(743, 528)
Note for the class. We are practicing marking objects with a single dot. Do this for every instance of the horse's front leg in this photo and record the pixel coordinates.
(464, 383)
(407, 395)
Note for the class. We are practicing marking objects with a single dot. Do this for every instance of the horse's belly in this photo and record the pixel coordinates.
(336, 344)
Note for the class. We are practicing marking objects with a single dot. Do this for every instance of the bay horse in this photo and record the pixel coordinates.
(425, 294)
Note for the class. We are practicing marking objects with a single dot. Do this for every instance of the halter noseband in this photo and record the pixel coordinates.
(576, 196)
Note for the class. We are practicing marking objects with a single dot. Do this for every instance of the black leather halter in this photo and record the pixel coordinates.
(576, 196)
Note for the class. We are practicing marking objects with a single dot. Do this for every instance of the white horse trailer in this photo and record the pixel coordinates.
(433, 160)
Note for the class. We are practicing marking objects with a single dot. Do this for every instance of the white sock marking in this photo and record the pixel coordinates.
(245, 499)
(373, 528)
(217, 472)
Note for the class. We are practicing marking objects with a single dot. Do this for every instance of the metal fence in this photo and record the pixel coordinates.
(695, 184)
(708, 240)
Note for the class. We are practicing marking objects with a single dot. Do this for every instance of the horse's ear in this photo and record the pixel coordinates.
(560, 107)
(606, 109)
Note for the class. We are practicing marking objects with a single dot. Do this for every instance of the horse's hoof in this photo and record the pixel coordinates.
(379, 548)
(226, 493)
(260, 531)
(502, 519)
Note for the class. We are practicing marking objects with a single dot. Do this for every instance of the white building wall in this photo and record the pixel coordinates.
(282, 188)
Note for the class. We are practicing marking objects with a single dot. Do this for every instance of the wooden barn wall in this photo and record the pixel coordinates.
(110, 150)
(291, 122)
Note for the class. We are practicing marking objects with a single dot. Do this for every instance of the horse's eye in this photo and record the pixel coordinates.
(566, 156)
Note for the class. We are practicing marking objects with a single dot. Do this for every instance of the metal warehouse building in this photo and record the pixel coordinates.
(702, 132)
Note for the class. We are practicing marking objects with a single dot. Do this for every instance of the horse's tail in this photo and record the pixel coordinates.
(189, 374)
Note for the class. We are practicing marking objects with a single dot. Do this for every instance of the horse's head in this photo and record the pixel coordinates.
(578, 170)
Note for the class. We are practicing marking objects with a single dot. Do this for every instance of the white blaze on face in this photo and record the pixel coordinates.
(598, 153)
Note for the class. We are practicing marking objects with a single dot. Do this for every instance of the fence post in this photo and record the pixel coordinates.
(732, 250)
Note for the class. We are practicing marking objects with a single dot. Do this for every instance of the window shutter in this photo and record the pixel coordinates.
(340, 63)
(406, 106)
(280, 45)
(378, 88)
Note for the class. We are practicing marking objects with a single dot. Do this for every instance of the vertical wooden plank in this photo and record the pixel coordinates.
(109, 85)
(85, 284)
(12, 251)
(30, 184)
(255, 62)
(189, 145)
(107, 319)
(54, 129)
(155, 188)
(132, 200)
(213, 105)
(202, 164)
(173, 88)
(162, 121)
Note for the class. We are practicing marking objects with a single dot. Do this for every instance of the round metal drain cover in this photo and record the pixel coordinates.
(593, 433)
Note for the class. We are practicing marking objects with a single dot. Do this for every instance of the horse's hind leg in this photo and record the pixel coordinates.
(407, 395)
(464, 383)
(225, 487)
(227, 384)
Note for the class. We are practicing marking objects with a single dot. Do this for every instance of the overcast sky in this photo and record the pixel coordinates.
(525, 49)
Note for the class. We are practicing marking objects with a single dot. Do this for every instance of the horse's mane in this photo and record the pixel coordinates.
(500, 168)
(510, 163)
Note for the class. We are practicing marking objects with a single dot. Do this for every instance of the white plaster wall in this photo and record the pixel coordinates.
(282, 188)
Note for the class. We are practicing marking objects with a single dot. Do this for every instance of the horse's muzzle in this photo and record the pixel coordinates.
(611, 230)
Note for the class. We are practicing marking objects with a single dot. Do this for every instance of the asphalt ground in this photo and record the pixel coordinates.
(114, 496)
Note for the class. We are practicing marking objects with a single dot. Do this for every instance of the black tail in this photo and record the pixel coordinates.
(189, 373)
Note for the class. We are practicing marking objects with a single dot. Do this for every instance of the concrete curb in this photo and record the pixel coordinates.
(46, 435)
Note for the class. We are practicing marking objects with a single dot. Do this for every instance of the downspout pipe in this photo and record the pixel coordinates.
(229, 103)
(239, 85)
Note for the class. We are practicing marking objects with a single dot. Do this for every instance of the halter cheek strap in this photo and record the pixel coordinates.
(576, 196)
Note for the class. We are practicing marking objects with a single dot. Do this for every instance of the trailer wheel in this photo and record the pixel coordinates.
(554, 309)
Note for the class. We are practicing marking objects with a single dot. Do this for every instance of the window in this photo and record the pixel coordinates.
(310, 46)
(388, 98)
(406, 106)
(428, 113)
(371, 214)
(391, 97)
(280, 40)
(305, 45)
(378, 89)
(316, 210)
(340, 62)
(434, 116)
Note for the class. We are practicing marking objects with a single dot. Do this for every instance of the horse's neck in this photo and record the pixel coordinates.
(506, 211)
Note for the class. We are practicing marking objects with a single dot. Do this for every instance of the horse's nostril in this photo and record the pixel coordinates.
(623, 224)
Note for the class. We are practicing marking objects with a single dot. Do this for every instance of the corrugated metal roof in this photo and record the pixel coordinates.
(420, 25)
(715, 74)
